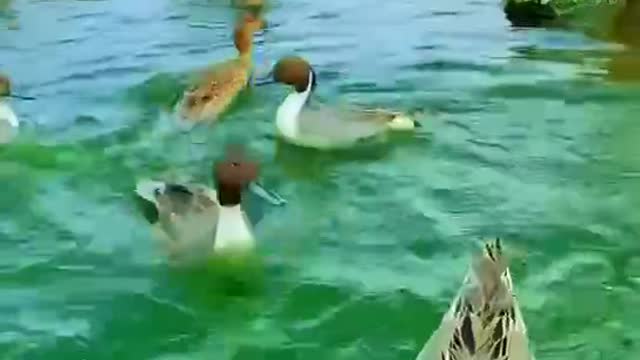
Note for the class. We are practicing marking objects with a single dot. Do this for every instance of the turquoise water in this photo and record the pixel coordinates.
(525, 136)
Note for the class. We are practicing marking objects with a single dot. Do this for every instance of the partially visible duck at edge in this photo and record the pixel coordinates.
(218, 86)
(194, 221)
(626, 25)
(624, 66)
(484, 321)
(530, 13)
(304, 121)
(9, 123)
(623, 27)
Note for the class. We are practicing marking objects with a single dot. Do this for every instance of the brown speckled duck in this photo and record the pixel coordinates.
(219, 85)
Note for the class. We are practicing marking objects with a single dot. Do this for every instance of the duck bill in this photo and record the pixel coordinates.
(21, 97)
(270, 196)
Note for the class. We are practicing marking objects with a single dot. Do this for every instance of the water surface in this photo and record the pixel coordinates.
(526, 137)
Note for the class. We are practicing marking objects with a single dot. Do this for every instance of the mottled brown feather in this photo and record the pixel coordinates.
(215, 91)
(232, 175)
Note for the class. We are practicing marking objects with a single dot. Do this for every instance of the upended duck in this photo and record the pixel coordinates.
(219, 85)
(304, 121)
(9, 123)
(484, 321)
(193, 221)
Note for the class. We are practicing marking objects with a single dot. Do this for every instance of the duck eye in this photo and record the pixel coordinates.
(156, 192)
(235, 164)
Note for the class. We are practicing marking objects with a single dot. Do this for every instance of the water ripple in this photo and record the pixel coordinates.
(81, 16)
(97, 73)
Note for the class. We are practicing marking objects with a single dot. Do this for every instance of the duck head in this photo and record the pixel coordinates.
(232, 176)
(295, 71)
(626, 27)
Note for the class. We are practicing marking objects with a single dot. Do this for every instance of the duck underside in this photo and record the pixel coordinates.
(185, 217)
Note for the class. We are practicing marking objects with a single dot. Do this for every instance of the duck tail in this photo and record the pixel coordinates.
(147, 189)
(490, 278)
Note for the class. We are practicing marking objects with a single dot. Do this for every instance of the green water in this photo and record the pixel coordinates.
(524, 137)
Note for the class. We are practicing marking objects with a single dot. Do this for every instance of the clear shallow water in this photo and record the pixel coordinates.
(525, 137)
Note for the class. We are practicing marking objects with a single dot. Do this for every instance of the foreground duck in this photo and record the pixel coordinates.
(9, 123)
(194, 221)
(484, 321)
(305, 121)
(219, 85)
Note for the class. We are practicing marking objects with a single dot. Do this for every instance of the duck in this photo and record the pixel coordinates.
(9, 123)
(219, 85)
(484, 320)
(193, 221)
(307, 122)
(614, 19)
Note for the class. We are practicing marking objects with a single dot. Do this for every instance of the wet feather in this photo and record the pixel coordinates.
(484, 321)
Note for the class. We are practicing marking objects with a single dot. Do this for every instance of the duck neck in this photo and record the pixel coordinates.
(287, 117)
(233, 231)
(6, 113)
(246, 56)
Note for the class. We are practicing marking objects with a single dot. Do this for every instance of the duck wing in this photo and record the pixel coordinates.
(484, 321)
(338, 125)
(214, 90)
(187, 216)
